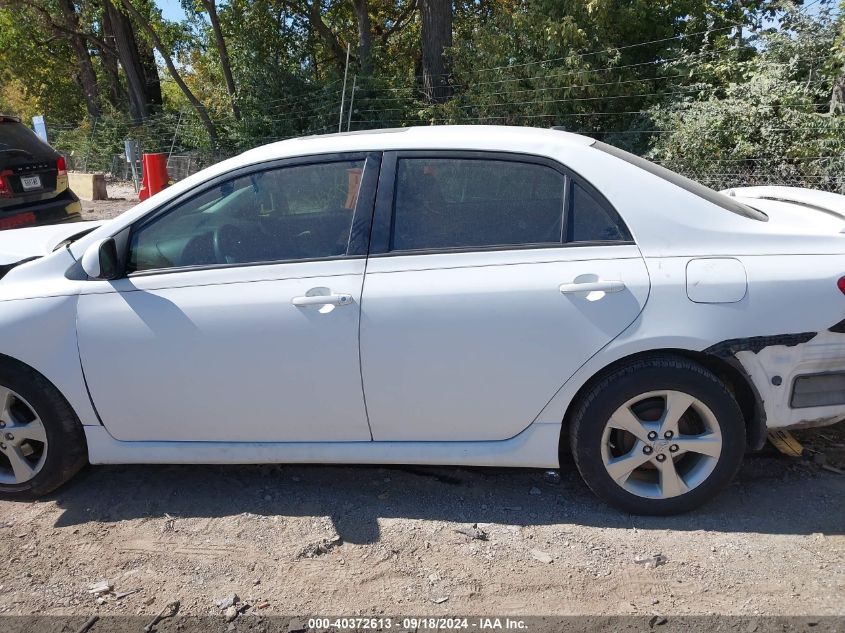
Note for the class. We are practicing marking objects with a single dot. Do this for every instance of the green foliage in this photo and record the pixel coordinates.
(706, 86)
(768, 111)
(36, 69)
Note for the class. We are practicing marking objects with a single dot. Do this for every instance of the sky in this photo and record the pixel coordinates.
(171, 9)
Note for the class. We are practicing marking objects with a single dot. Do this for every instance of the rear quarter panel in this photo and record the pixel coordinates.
(787, 294)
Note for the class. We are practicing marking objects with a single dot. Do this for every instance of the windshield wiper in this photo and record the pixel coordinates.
(70, 240)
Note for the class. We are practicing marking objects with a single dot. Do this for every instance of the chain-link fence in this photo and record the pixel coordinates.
(826, 174)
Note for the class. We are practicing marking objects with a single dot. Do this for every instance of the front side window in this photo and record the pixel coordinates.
(464, 203)
(286, 213)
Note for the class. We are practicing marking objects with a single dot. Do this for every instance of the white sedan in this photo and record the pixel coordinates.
(440, 295)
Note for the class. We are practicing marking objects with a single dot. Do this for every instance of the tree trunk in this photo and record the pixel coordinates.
(436, 38)
(365, 36)
(148, 62)
(223, 51)
(171, 68)
(87, 76)
(109, 60)
(130, 58)
(327, 35)
(837, 97)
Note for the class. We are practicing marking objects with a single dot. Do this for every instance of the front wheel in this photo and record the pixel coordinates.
(659, 436)
(42, 443)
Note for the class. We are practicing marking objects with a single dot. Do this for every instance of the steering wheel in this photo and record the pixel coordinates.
(228, 244)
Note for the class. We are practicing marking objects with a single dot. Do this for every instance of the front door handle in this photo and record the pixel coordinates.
(341, 299)
(593, 286)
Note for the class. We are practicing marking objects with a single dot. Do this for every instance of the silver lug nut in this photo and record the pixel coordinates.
(661, 458)
(10, 437)
(647, 450)
(674, 448)
(2, 446)
(2, 424)
(652, 435)
(668, 435)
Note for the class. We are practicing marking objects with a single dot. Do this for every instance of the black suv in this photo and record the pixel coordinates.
(33, 180)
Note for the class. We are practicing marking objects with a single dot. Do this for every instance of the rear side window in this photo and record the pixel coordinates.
(464, 203)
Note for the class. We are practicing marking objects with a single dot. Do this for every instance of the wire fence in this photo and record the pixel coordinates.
(185, 158)
(635, 106)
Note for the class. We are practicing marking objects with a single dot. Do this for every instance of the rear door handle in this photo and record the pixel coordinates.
(341, 299)
(593, 286)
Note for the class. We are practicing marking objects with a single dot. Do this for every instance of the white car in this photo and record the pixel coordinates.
(440, 295)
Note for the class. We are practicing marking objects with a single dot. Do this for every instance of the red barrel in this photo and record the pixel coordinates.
(155, 175)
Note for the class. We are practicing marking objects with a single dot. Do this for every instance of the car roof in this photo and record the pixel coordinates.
(444, 137)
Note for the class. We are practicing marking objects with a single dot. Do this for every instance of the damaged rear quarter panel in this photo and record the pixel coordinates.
(774, 368)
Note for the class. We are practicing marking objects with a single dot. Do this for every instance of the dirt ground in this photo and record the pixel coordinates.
(330, 540)
(122, 196)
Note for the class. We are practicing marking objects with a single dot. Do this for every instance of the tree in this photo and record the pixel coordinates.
(837, 95)
(223, 51)
(365, 35)
(156, 40)
(436, 39)
(86, 74)
(37, 69)
(767, 119)
(143, 86)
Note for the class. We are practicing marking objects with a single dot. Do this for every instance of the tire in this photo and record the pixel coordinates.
(64, 451)
(676, 476)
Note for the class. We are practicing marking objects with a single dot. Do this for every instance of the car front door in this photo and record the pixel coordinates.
(492, 278)
(238, 318)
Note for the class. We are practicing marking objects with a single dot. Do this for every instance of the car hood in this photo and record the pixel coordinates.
(19, 244)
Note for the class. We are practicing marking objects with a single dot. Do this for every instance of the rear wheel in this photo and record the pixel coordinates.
(661, 435)
(42, 444)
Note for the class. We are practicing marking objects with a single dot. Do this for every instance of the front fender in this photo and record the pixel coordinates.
(41, 333)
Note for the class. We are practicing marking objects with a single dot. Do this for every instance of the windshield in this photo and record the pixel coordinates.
(695, 188)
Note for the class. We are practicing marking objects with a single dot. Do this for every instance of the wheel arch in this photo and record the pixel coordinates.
(728, 370)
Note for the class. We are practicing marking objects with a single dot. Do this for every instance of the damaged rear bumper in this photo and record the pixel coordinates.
(800, 378)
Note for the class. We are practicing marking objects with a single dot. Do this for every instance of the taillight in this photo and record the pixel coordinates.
(5, 188)
(841, 285)
(61, 166)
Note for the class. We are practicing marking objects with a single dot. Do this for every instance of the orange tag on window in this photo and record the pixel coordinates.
(353, 186)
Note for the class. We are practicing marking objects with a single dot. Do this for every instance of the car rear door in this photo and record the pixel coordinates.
(492, 278)
(239, 319)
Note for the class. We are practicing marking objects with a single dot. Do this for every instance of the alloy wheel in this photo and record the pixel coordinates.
(23, 439)
(661, 444)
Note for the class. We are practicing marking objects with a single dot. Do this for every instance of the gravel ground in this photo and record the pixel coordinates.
(331, 540)
(122, 196)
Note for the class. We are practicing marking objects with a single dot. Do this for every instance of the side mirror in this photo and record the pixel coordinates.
(100, 260)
